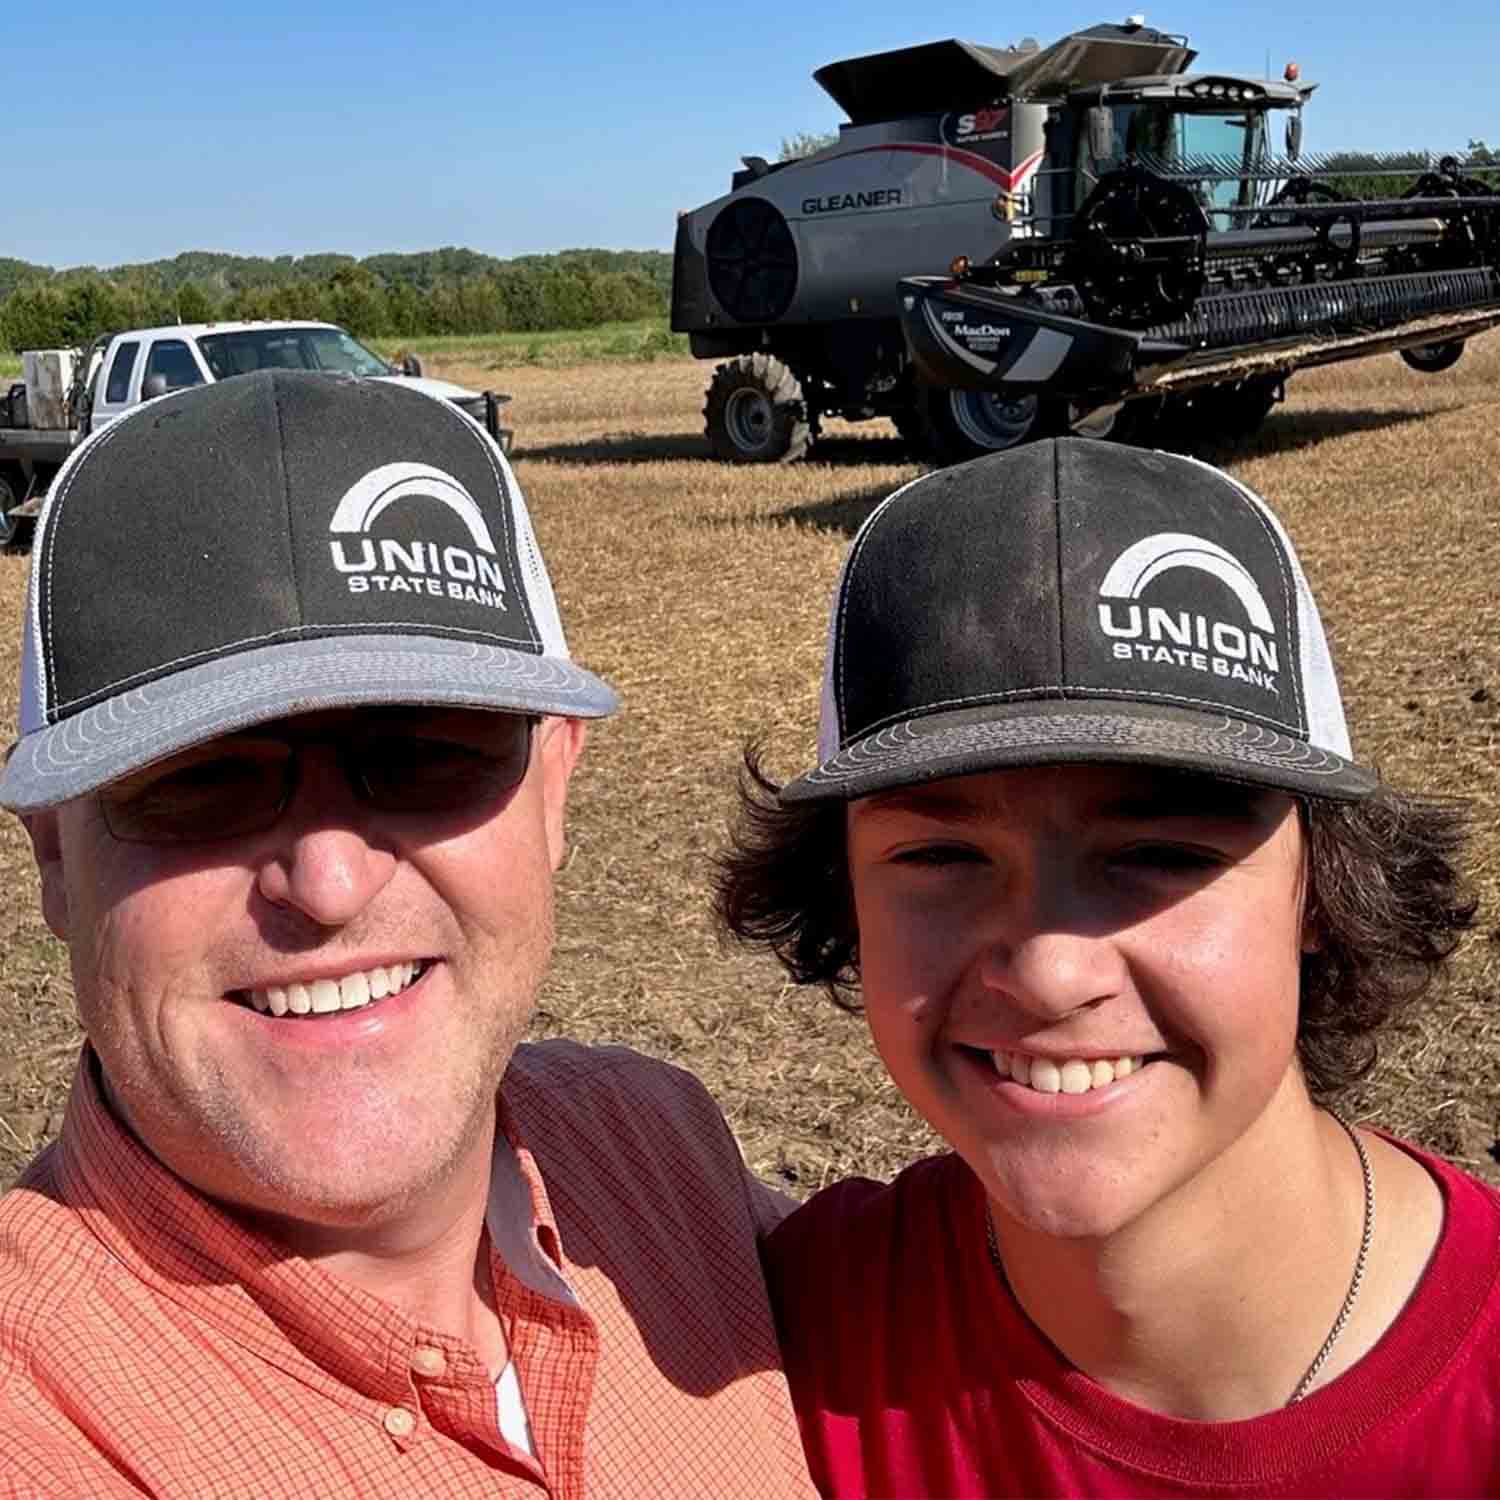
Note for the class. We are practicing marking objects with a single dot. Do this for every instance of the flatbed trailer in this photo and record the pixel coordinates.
(29, 457)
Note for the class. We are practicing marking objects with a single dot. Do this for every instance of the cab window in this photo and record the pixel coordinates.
(173, 359)
(118, 387)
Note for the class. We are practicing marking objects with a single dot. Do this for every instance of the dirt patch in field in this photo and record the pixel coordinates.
(701, 590)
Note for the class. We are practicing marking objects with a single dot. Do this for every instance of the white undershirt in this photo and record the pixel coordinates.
(507, 1216)
(515, 1426)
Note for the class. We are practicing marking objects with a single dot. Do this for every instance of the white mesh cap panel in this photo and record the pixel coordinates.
(534, 577)
(1326, 725)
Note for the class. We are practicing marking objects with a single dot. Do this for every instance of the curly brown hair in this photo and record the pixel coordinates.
(1385, 895)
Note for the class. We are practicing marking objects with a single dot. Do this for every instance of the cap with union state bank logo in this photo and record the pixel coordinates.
(1074, 601)
(269, 545)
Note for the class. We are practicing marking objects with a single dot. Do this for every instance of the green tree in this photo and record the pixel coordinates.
(193, 305)
(806, 143)
(1364, 174)
(32, 317)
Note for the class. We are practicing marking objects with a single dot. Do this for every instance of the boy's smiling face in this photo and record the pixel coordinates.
(1049, 921)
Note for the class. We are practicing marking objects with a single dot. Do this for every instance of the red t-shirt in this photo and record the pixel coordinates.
(915, 1373)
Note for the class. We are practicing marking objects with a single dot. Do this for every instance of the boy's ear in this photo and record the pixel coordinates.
(1312, 924)
(46, 848)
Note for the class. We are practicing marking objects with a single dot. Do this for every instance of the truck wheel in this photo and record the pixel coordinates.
(1431, 359)
(755, 413)
(14, 532)
(960, 425)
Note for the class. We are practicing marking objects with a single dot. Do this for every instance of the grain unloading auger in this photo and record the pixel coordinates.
(1144, 300)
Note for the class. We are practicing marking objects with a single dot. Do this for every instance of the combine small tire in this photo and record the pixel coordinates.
(959, 425)
(1227, 413)
(755, 412)
(1133, 422)
(1433, 359)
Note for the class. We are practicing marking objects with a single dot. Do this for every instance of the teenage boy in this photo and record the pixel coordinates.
(1123, 913)
(298, 722)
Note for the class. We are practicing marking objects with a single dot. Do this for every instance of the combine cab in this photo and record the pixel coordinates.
(1005, 243)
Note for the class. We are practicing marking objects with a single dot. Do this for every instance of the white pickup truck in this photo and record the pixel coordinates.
(67, 395)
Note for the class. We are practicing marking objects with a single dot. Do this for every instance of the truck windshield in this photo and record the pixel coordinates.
(288, 349)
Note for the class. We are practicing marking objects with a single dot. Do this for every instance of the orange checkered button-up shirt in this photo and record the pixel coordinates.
(150, 1345)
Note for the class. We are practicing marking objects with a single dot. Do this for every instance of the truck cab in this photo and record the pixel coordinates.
(120, 371)
(133, 367)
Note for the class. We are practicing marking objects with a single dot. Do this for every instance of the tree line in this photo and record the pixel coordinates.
(1358, 174)
(450, 291)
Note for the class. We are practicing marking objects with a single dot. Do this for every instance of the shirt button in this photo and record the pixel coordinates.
(428, 1361)
(399, 1422)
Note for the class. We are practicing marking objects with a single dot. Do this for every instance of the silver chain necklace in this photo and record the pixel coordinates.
(1355, 1281)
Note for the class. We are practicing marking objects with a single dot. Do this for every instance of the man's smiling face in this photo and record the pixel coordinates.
(1085, 978)
(182, 957)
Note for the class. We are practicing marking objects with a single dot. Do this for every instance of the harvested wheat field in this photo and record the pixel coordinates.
(700, 591)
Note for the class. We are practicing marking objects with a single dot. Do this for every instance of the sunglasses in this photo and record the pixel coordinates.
(243, 783)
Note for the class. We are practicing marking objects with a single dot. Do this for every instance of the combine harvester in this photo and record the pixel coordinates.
(1122, 247)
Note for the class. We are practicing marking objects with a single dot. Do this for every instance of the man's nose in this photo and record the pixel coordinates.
(326, 856)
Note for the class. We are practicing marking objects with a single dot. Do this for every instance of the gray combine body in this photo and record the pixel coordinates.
(931, 265)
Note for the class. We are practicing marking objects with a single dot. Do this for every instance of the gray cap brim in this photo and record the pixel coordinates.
(1079, 732)
(125, 733)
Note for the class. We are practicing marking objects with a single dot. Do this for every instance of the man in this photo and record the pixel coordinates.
(298, 721)
(1124, 915)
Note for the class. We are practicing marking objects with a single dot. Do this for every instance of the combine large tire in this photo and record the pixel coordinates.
(959, 425)
(755, 413)
(1432, 359)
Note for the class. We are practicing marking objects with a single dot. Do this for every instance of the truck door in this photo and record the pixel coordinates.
(112, 392)
(176, 360)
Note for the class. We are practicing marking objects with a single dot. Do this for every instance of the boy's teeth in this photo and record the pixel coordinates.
(1073, 1076)
(322, 997)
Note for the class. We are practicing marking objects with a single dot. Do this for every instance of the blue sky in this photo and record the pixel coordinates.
(138, 130)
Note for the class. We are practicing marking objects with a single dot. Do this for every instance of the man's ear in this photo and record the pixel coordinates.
(559, 744)
(44, 830)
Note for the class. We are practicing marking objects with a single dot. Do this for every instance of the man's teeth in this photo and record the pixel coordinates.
(1077, 1075)
(320, 997)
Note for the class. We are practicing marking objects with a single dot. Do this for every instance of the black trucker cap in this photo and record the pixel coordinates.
(1074, 601)
(269, 545)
